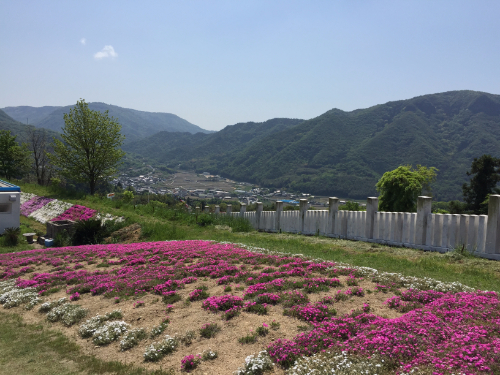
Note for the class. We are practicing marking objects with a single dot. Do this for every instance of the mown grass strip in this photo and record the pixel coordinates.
(35, 349)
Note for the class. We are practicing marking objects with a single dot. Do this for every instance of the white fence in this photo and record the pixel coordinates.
(422, 230)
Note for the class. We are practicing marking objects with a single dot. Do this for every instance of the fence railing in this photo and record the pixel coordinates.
(422, 230)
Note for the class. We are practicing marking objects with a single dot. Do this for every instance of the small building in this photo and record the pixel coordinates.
(10, 206)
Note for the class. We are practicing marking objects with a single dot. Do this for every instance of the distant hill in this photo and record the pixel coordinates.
(135, 124)
(29, 115)
(345, 153)
(223, 144)
(19, 129)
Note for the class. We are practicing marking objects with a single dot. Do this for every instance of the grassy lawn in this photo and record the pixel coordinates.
(37, 349)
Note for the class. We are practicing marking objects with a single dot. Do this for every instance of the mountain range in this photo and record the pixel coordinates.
(135, 124)
(345, 153)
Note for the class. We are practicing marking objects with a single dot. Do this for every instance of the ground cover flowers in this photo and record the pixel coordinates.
(442, 328)
(33, 204)
(76, 213)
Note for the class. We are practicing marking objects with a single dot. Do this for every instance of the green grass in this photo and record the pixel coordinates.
(36, 349)
(168, 224)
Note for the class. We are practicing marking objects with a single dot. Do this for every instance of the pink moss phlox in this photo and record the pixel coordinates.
(34, 204)
(76, 213)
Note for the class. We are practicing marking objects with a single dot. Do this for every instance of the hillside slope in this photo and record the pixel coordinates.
(135, 124)
(345, 153)
(19, 129)
(226, 143)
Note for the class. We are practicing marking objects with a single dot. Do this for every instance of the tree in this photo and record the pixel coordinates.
(400, 188)
(38, 146)
(90, 151)
(484, 176)
(14, 159)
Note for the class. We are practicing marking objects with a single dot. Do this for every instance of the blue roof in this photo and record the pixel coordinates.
(7, 186)
(289, 201)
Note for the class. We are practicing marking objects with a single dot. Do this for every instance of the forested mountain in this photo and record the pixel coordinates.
(135, 124)
(166, 146)
(345, 153)
(29, 115)
(17, 128)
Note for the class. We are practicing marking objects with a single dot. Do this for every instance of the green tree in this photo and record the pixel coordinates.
(14, 159)
(400, 188)
(484, 176)
(90, 151)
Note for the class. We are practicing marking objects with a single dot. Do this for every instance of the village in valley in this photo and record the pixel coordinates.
(205, 186)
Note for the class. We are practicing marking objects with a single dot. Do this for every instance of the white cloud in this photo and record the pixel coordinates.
(107, 51)
(83, 41)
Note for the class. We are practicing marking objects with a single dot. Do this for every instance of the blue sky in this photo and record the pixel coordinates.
(217, 63)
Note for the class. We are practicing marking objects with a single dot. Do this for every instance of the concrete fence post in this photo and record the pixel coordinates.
(229, 209)
(464, 226)
(207, 209)
(243, 209)
(423, 211)
(279, 210)
(493, 226)
(333, 209)
(217, 209)
(258, 214)
(371, 209)
(302, 209)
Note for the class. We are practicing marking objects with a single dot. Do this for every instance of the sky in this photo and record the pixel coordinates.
(217, 63)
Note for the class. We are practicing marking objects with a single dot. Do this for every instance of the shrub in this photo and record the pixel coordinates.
(187, 338)
(109, 332)
(88, 328)
(208, 355)
(231, 313)
(88, 232)
(132, 338)
(158, 330)
(293, 298)
(248, 339)
(222, 303)
(256, 364)
(171, 297)
(68, 314)
(262, 330)
(62, 239)
(158, 350)
(209, 330)
(275, 325)
(255, 308)
(190, 362)
(11, 236)
(198, 294)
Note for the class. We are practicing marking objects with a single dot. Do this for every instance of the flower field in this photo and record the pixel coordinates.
(221, 308)
(46, 209)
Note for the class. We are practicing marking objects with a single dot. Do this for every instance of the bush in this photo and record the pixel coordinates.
(158, 350)
(62, 239)
(68, 314)
(190, 362)
(132, 338)
(11, 236)
(209, 330)
(88, 232)
(109, 332)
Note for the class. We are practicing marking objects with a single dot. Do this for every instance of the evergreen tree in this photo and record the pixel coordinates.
(484, 176)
